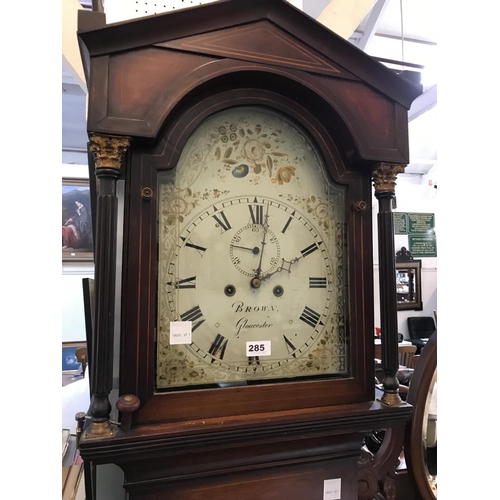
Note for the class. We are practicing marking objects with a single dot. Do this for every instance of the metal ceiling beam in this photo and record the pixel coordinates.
(355, 37)
(344, 16)
(406, 38)
(72, 88)
(423, 103)
(372, 23)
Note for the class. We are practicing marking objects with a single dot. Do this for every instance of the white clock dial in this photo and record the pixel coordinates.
(251, 251)
(289, 306)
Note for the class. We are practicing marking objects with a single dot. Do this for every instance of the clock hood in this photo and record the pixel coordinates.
(289, 37)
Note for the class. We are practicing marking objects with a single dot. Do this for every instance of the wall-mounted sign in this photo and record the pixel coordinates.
(400, 223)
(420, 230)
(413, 223)
(420, 223)
(423, 245)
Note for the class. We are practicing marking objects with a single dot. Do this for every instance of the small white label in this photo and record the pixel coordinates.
(180, 332)
(331, 489)
(259, 348)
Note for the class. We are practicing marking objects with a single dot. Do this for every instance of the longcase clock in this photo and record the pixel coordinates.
(247, 137)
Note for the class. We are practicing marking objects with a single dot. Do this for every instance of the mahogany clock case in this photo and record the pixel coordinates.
(152, 81)
(156, 79)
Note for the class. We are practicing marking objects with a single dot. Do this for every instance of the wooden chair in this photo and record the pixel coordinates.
(414, 360)
(406, 353)
(81, 356)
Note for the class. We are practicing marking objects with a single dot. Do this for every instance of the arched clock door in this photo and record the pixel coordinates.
(247, 151)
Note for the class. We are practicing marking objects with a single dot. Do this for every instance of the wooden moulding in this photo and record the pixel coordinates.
(237, 454)
(222, 432)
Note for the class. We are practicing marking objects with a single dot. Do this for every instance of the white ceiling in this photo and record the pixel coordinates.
(393, 30)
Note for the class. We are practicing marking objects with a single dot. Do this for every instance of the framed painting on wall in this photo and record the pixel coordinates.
(77, 241)
(70, 363)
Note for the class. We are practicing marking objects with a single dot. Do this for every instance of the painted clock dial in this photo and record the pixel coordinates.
(251, 252)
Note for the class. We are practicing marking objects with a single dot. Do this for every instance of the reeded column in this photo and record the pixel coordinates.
(384, 180)
(109, 154)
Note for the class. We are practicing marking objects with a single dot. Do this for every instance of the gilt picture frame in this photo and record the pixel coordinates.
(77, 239)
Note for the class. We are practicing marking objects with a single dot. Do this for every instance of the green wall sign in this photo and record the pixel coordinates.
(420, 230)
(400, 223)
(423, 245)
(413, 223)
(420, 223)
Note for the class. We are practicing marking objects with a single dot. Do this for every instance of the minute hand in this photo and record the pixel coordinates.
(265, 227)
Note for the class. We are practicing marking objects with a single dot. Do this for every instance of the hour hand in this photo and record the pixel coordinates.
(255, 250)
(285, 266)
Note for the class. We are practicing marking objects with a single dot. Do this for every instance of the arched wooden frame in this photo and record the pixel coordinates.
(423, 376)
(140, 258)
(361, 139)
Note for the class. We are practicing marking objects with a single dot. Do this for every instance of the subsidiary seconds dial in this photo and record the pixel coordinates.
(255, 248)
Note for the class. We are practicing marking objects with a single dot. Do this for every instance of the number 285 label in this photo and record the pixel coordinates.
(259, 348)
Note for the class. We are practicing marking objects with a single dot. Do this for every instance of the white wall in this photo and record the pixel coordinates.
(73, 318)
(413, 194)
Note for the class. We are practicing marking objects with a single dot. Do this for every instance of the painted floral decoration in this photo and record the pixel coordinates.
(284, 174)
(314, 206)
(179, 203)
(253, 150)
(248, 148)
